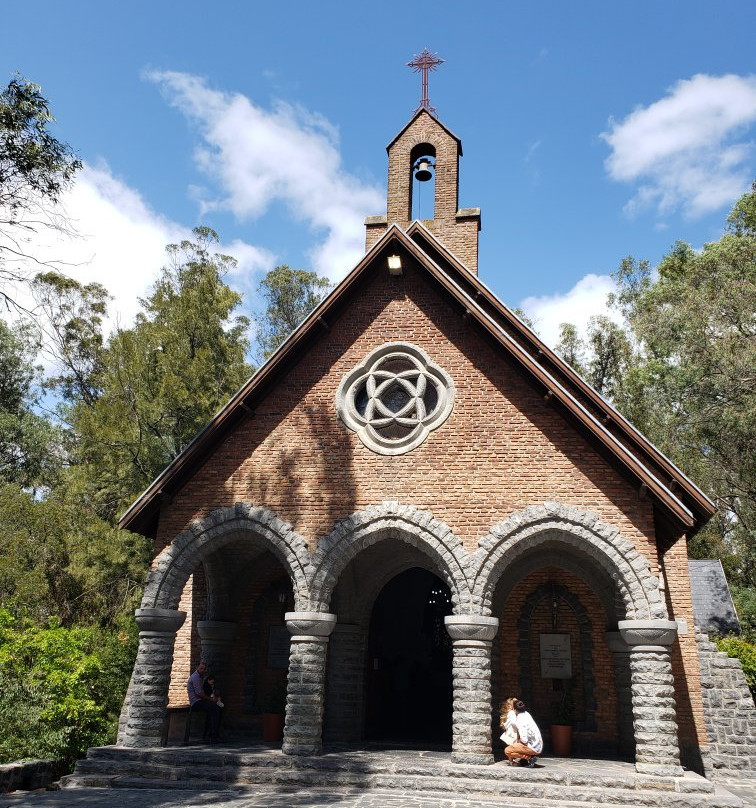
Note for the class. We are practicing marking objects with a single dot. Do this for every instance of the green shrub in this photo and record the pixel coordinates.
(744, 651)
(745, 604)
(62, 687)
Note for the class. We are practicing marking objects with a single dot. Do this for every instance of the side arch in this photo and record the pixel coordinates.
(390, 520)
(174, 565)
(553, 523)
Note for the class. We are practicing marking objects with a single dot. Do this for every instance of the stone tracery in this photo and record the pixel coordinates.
(394, 398)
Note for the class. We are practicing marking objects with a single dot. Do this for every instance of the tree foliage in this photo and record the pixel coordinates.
(684, 372)
(71, 323)
(155, 385)
(62, 688)
(30, 445)
(59, 561)
(290, 295)
(35, 169)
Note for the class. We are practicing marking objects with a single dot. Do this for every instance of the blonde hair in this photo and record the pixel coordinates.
(506, 706)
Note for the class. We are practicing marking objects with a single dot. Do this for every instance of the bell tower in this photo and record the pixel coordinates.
(426, 154)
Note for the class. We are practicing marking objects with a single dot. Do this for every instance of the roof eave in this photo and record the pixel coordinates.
(136, 517)
(703, 505)
(145, 510)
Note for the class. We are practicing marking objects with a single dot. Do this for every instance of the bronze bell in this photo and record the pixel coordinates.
(423, 170)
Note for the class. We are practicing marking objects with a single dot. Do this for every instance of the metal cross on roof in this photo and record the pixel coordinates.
(423, 63)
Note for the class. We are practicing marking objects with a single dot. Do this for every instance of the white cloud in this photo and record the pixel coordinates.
(586, 299)
(258, 156)
(120, 242)
(691, 150)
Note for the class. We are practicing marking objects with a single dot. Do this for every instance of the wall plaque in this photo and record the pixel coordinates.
(556, 656)
(279, 640)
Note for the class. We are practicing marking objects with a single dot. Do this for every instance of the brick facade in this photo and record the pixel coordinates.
(290, 519)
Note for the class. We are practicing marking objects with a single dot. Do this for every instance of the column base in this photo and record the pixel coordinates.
(659, 769)
(472, 758)
(313, 749)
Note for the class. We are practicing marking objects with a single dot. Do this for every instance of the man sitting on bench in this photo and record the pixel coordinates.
(199, 700)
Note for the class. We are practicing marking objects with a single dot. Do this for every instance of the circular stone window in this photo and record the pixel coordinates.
(394, 398)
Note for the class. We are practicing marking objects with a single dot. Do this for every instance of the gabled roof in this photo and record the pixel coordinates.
(435, 120)
(594, 402)
(673, 494)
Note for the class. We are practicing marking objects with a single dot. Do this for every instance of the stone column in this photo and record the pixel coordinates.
(143, 713)
(621, 658)
(472, 636)
(305, 696)
(652, 684)
(217, 638)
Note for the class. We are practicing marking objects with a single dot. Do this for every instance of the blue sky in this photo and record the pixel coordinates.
(591, 130)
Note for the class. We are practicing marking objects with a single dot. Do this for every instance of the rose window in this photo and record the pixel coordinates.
(395, 398)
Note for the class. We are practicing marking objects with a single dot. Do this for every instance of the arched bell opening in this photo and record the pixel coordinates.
(422, 202)
(557, 606)
(389, 675)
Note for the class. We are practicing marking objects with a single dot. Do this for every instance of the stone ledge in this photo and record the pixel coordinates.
(26, 775)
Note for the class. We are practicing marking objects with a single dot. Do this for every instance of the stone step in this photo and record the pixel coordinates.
(190, 760)
(174, 765)
(335, 794)
(735, 774)
(274, 795)
(549, 788)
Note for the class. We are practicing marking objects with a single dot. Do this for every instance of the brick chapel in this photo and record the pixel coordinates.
(414, 510)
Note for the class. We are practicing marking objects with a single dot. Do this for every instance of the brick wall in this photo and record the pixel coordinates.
(501, 450)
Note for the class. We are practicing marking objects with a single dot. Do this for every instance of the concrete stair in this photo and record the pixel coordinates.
(554, 783)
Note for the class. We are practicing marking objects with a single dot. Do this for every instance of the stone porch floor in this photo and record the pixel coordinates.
(332, 789)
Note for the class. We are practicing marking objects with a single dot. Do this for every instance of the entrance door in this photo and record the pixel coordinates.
(409, 694)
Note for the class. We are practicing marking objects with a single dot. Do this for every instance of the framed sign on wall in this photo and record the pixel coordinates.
(556, 656)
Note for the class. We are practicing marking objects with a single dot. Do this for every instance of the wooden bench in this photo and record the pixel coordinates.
(180, 710)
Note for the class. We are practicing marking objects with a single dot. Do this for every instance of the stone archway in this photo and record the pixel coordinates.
(390, 520)
(574, 528)
(645, 629)
(172, 568)
(470, 631)
(159, 619)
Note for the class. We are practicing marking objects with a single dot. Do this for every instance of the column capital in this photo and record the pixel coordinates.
(471, 627)
(216, 631)
(317, 625)
(160, 621)
(648, 632)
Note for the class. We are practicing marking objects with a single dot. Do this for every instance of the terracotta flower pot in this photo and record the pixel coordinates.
(561, 739)
(272, 727)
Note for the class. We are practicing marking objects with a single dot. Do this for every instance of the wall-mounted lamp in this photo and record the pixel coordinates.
(395, 264)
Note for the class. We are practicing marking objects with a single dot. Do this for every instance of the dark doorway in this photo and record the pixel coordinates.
(409, 694)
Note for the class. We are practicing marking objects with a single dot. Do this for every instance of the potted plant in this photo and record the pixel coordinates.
(274, 709)
(563, 717)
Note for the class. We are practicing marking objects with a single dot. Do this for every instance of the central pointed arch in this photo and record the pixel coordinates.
(390, 520)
